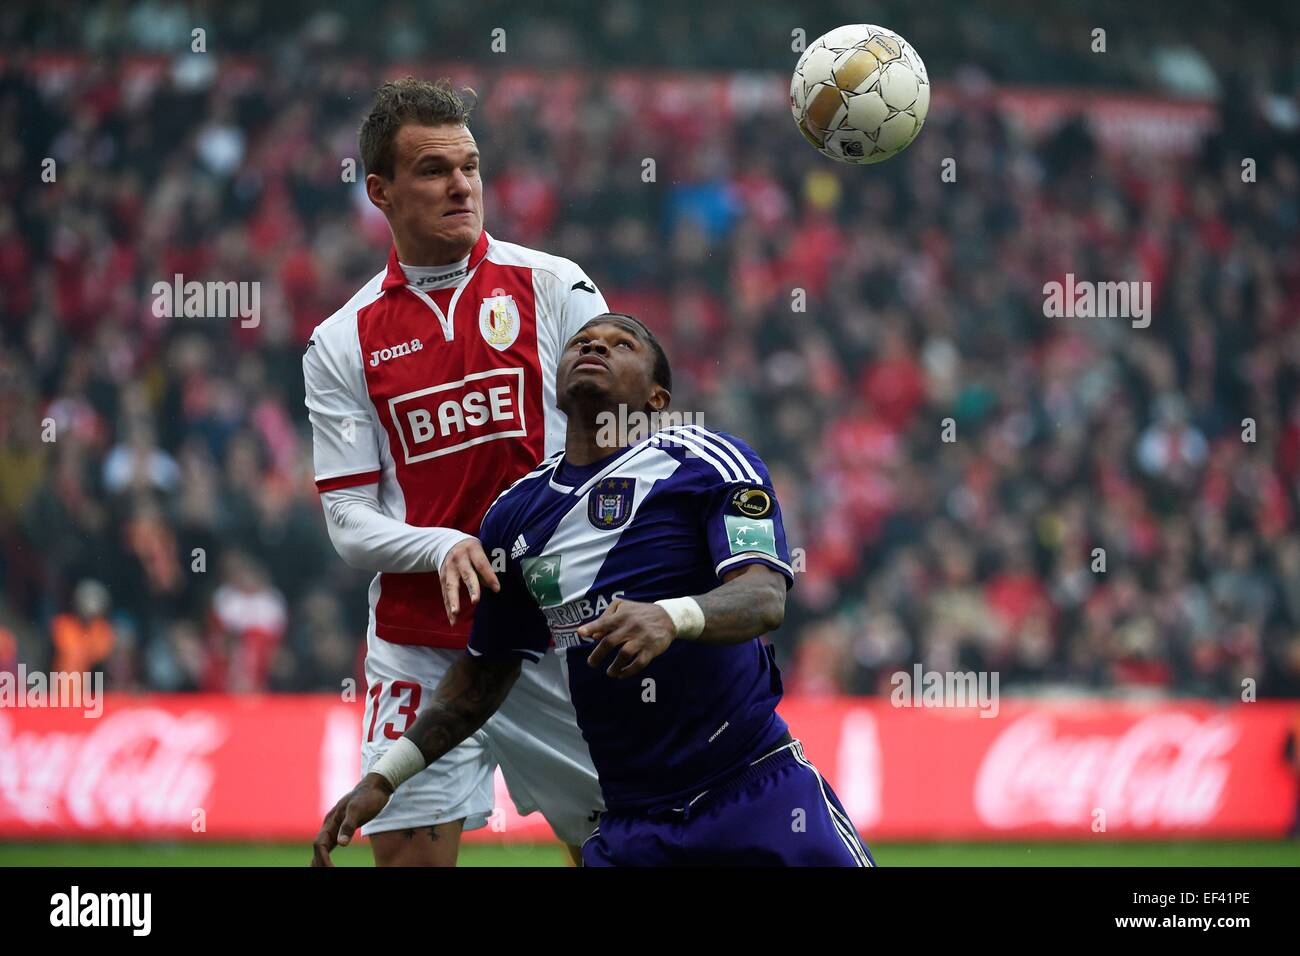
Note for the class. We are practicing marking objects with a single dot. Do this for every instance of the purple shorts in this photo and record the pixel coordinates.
(777, 812)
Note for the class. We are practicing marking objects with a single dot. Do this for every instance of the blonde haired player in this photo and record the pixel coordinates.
(429, 393)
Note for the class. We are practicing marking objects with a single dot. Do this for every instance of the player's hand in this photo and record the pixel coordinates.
(359, 807)
(639, 632)
(465, 564)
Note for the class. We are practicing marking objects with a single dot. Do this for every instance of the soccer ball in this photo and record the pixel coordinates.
(860, 93)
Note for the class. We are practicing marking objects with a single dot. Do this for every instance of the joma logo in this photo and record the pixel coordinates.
(397, 351)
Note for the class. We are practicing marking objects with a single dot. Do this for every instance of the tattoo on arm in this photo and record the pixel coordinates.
(750, 602)
(469, 693)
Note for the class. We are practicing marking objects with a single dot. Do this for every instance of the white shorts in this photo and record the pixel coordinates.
(534, 737)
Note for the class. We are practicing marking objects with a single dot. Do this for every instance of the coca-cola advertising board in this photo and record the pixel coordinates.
(208, 767)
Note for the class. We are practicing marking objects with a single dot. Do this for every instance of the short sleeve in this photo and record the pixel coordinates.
(580, 301)
(344, 445)
(741, 514)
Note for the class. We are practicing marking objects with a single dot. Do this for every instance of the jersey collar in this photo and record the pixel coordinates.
(608, 465)
(396, 279)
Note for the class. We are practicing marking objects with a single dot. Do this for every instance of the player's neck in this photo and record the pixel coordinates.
(582, 452)
(411, 252)
(586, 441)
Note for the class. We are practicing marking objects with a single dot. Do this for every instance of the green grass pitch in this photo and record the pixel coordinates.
(1111, 853)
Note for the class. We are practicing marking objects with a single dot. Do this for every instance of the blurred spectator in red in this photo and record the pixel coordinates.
(248, 621)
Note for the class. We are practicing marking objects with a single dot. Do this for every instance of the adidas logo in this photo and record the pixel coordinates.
(519, 547)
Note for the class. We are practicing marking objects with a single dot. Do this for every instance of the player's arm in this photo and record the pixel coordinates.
(740, 520)
(749, 603)
(368, 539)
(468, 694)
(507, 628)
(345, 447)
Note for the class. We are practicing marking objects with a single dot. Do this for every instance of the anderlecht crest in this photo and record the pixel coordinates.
(609, 504)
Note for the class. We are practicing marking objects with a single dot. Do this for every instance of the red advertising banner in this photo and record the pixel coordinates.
(1055, 770)
(208, 767)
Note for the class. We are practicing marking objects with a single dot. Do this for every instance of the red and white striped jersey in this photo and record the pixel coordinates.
(443, 398)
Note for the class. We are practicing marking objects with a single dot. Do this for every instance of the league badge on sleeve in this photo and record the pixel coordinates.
(751, 502)
(609, 504)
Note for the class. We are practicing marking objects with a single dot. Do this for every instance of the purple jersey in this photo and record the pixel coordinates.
(667, 517)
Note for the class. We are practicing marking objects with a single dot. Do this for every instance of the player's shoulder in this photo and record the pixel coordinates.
(333, 353)
(341, 326)
(713, 457)
(559, 268)
(519, 495)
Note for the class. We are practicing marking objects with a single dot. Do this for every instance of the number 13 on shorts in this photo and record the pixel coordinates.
(408, 710)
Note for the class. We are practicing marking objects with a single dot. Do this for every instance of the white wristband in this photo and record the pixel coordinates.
(686, 614)
(400, 762)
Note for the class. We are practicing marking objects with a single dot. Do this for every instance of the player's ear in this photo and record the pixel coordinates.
(659, 399)
(377, 191)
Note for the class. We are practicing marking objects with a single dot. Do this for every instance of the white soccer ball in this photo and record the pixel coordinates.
(860, 93)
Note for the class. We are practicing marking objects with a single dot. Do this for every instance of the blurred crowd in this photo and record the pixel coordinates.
(1153, 45)
(1076, 503)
